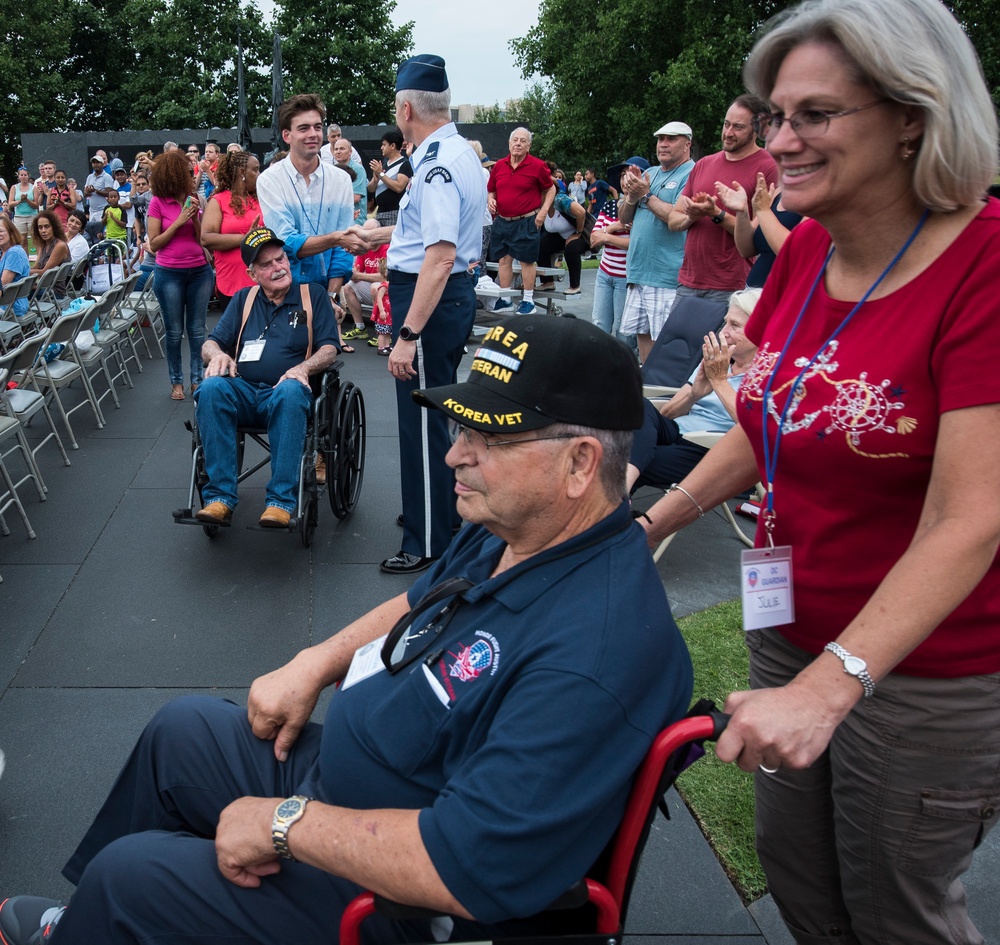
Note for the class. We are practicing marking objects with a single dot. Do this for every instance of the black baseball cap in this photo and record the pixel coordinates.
(255, 241)
(534, 370)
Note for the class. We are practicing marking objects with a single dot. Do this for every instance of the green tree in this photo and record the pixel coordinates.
(487, 114)
(33, 95)
(347, 53)
(184, 70)
(618, 71)
(535, 111)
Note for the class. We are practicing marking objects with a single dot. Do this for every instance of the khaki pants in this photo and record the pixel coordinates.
(868, 844)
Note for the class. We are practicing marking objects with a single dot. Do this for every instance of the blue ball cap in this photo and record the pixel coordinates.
(424, 73)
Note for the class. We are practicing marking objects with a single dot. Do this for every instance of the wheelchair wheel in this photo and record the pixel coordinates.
(346, 472)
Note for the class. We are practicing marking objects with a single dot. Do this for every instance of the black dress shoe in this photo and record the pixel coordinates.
(404, 563)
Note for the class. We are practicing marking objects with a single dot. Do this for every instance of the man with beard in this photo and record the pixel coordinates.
(713, 267)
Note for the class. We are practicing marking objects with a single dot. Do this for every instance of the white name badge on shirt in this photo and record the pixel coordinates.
(367, 661)
(252, 350)
(768, 600)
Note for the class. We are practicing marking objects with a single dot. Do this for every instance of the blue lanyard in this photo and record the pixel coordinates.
(794, 391)
(322, 193)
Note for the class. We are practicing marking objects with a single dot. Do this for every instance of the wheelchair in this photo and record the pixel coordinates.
(336, 429)
(593, 910)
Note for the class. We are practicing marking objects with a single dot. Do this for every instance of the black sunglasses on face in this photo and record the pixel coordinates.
(396, 652)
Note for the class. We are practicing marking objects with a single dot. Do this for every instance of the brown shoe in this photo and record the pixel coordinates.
(320, 469)
(274, 517)
(215, 513)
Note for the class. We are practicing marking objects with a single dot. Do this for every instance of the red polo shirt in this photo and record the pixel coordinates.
(519, 190)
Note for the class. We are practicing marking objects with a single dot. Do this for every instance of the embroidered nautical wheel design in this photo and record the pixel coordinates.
(758, 372)
(860, 407)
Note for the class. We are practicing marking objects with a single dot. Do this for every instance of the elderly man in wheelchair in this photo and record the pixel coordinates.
(487, 728)
(270, 341)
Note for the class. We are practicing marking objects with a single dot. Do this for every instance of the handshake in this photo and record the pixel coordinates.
(358, 240)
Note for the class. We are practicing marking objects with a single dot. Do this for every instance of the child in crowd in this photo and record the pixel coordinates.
(381, 313)
(113, 219)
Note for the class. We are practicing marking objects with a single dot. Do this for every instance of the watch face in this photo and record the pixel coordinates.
(855, 665)
(288, 808)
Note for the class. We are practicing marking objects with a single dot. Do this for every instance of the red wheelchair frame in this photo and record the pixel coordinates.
(674, 749)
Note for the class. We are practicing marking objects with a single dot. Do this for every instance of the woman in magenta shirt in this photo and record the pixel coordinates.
(183, 279)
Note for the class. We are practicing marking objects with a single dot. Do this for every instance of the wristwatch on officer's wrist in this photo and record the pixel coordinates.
(407, 334)
(285, 814)
(854, 666)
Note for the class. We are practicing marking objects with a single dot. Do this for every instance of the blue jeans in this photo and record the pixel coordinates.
(224, 403)
(609, 303)
(146, 269)
(183, 295)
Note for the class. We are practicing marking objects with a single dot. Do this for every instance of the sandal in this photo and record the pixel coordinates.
(575, 291)
(176, 391)
(547, 287)
(386, 351)
(347, 349)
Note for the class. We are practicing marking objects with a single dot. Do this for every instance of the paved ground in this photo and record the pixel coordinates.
(114, 610)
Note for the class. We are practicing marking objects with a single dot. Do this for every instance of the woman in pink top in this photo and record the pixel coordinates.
(182, 279)
(231, 213)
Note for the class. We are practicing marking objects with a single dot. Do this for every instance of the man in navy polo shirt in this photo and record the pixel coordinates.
(478, 753)
(257, 367)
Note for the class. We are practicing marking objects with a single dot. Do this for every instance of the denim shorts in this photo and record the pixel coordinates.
(515, 238)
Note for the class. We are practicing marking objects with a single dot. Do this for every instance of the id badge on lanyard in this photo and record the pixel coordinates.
(766, 587)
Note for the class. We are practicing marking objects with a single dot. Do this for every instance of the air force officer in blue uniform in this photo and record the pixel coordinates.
(437, 235)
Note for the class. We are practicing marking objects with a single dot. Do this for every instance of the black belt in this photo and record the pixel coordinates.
(523, 216)
(395, 275)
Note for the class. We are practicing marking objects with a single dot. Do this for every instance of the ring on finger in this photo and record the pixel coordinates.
(767, 770)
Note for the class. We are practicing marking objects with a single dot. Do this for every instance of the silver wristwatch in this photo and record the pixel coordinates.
(285, 814)
(853, 666)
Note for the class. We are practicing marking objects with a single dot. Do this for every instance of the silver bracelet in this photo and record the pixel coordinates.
(677, 488)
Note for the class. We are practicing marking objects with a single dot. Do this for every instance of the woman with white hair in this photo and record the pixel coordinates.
(872, 414)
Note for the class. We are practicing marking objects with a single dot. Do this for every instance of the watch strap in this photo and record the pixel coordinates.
(853, 666)
(280, 825)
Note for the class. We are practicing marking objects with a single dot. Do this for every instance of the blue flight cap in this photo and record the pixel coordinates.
(423, 73)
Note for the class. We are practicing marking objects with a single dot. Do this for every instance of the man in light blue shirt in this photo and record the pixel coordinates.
(655, 252)
(308, 203)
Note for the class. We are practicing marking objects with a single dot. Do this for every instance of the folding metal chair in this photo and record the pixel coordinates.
(24, 401)
(43, 300)
(57, 374)
(708, 439)
(11, 428)
(148, 315)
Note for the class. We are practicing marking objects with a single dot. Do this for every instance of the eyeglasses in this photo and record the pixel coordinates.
(396, 651)
(456, 430)
(812, 122)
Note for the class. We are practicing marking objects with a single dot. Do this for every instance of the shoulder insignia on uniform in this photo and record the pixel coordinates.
(438, 172)
(431, 153)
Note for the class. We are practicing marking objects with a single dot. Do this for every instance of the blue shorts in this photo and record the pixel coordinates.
(515, 238)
